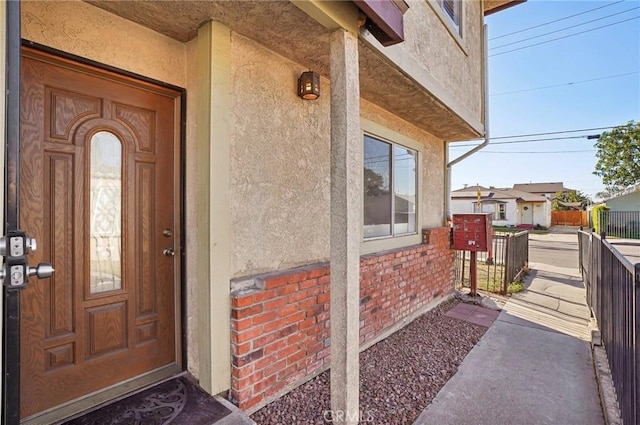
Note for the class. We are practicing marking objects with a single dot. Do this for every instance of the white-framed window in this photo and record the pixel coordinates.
(497, 210)
(501, 214)
(453, 11)
(483, 207)
(392, 189)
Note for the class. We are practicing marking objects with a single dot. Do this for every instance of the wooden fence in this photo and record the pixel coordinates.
(570, 218)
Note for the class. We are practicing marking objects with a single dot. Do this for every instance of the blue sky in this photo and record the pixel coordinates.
(596, 54)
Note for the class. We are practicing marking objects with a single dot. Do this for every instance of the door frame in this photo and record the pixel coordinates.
(11, 324)
(11, 296)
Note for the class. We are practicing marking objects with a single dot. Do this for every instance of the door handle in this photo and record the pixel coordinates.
(168, 252)
(14, 247)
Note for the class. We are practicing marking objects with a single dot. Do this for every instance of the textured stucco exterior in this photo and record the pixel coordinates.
(81, 29)
(277, 169)
(395, 78)
(280, 164)
(279, 144)
(457, 66)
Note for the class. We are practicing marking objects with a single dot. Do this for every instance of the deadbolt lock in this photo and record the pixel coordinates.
(15, 247)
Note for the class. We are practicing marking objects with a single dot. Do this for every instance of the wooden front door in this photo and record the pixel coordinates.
(98, 190)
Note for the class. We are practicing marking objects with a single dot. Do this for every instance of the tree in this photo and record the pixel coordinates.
(619, 156)
(605, 194)
(374, 184)
(571, 196)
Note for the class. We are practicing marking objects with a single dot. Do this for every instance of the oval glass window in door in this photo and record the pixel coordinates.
(105, 213)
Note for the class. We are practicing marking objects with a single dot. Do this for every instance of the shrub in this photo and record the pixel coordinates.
(595, 218)
(515, 287)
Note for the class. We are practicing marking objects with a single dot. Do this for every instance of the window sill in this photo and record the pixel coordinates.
(449, 26)
(376, 245)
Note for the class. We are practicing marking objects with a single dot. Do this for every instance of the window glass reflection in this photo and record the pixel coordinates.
(404, 186)
(377, 195)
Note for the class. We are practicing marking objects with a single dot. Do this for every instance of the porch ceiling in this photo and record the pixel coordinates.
(282, 27)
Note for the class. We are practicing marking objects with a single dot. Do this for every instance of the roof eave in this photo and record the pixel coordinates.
(491, 7)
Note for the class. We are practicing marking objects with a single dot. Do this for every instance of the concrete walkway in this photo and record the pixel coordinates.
(534, 365)
(630, 248)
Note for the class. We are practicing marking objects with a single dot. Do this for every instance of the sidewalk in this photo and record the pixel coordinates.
(534, 365)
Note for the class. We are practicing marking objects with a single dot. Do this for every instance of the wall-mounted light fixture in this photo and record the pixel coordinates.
(309, 85)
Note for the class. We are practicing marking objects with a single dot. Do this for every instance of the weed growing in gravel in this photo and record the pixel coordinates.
(515, 287)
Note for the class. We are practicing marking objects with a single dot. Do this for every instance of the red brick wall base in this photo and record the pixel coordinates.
(280, 332)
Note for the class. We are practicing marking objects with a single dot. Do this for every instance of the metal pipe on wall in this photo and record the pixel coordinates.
(485, 80)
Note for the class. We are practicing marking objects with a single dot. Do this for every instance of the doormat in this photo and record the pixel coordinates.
(176, 401)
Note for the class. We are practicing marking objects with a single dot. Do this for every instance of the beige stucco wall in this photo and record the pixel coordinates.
(456, 66)
(77, 27)
(280, 164)
(279, 145)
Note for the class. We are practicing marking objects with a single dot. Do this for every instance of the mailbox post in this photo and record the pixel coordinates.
(472, 232)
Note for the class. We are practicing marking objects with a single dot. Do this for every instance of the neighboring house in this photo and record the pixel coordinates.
(547, 190)
(235, 193)
(626, 200)
(509, 207)
(623, 215)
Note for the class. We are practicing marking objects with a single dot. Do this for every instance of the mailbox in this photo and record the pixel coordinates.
(472, 232)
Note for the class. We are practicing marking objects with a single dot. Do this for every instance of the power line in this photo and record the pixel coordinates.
(551, 132)
(565, 84)
(557, 20)
(534, 152)
(524, 141)
(534, 135)
(566, 36)
(563, 29)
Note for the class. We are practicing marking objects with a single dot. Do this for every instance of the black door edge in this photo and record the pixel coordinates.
(11, 297)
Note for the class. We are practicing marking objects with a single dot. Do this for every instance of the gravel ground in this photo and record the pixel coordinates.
(399, 376)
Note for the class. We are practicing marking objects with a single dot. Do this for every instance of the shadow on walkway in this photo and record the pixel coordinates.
(534, 365)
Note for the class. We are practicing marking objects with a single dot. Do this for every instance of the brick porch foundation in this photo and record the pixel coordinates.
(280, 332)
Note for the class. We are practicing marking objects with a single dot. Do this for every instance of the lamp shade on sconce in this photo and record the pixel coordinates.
(309, 85)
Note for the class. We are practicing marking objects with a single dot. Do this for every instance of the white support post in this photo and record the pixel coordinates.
(346, 224)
